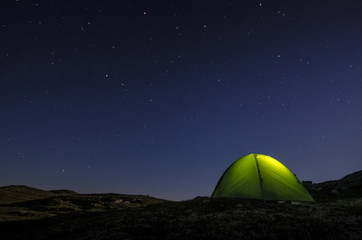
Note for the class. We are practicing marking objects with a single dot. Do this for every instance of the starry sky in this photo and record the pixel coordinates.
(160, 97)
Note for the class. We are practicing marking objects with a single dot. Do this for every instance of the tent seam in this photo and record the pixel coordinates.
(260, 178)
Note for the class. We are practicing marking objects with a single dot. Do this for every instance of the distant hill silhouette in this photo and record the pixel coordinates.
(25, 203)
(349, 186)
(20, 193)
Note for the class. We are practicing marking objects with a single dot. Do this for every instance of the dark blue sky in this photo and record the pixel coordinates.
(160, 97)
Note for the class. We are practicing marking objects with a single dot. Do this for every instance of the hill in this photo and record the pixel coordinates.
(27, 203)
(349, 186)
(20, 193)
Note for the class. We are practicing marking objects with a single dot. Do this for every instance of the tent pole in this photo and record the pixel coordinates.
(260, 178)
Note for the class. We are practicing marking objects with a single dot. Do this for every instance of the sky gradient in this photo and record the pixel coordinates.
(160, 97)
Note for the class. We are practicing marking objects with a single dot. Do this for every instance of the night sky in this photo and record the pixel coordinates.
(160, 97)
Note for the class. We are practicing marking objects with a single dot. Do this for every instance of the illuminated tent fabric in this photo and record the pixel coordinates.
(257, 176)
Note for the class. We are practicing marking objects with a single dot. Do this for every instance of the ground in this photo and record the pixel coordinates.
(28, 213)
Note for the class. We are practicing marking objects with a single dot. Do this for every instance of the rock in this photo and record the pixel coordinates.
(343, 189)
(307, 184)
(335, 192)
(315, 188)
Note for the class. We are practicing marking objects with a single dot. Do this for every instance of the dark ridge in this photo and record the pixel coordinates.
(349, 186)
(63, 192)
(19, 193)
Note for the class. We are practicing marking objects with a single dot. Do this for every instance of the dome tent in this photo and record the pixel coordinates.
(257, 176)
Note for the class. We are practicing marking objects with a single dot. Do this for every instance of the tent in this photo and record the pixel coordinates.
(257, 176)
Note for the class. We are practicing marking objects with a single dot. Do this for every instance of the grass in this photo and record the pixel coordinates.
(201, 218)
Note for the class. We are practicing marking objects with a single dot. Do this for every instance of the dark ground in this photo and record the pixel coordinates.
(28, 213)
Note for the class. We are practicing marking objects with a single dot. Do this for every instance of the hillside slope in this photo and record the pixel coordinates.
(20, 193)
(349, 186)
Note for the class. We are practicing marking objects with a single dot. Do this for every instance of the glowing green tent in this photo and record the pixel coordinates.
(257, 176)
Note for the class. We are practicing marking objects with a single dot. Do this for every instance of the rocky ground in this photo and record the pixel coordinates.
(28, 213)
